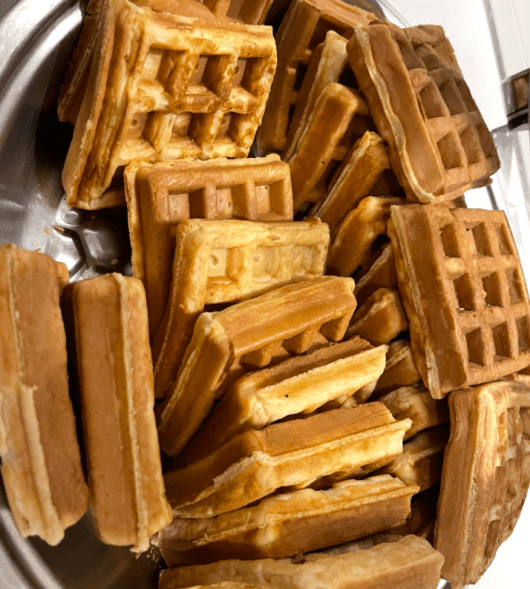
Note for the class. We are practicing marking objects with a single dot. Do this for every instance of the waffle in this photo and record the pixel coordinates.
(380, 272)
(420, 464)
(485, 477)
(193, 88)
(417, 404)
(293, 453)
(299, 385)
(438, 141)
(400, 369)
(41, 463)
(251, 12)
(161, 196)
(380, 319)
(461, 280)
(356, 235)
(339, 118)
(250, 334)
(421, 521)
(303, 28)
(227, 261)
(290, 523)
(408, 562)
(115, 376)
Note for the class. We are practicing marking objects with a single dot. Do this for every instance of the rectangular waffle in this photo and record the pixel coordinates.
(485, 477)
(290, 523)
(439, 144)
(417, 404)
(227, 261)
(251, 12)
(422, 519)
(408, 562)
(162, 195)
(380, 319)
(353, 240)
(303, 28)
(379, 272)
(299, 385)
(400, 369)
(464, 293)
(166, 87)
(115, 376)
(293, 453)
(41, 463)
(226, 344)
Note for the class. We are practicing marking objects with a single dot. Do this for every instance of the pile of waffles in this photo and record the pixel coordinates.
(326, 347)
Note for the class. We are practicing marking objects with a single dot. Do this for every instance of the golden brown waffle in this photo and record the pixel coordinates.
(356, 235)
(339, 118)
(422, 517)
(303, 28)
(380, 319)
(408, 562)
(227, 344)
(161, 196)
(41, 463)
(115, 376)
(485, 477)
(292, 453)
(290, 523)
(439, 144)
(462, 283)
(417, 404)
(299, 385)
(400, 369)
(421, 462)
(193, 88)
(380, 272)
(251, 12)
(227, 261)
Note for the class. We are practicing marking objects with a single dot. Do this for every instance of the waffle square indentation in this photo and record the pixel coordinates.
(475, 347)
(464, 291)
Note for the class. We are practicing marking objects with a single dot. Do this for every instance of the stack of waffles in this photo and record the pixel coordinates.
(322, 340)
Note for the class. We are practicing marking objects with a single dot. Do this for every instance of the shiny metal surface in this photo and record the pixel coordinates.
(36, 39)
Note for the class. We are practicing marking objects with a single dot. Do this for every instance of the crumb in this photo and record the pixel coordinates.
(37, 249)
(115, 262)
(47, 230)
(58, 228)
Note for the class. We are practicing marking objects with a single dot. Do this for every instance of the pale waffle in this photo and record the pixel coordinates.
(227, 344)
(354, 179)
(407, 562)
(380, 319)
(420, 464)
(162, 195)
(439, 144)
(41, 462)
(193, 88)
(461, 282)
(354, 239)
(227, 261)
(400, 369)
(299, 385)
(290, 523)
(339, 118)
(380, 272)
(416, 403)
(115, 376)
(254, 464)
(485, 477)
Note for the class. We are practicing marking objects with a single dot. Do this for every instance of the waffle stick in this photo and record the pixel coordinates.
(379, 272)
(41, 463)
(400, 369)
(422, 519)
(202, 96)
(301, 31)
(251, 12)
(288, 524)
(226, 344)
(417, 404)
(115, 377)
(162, 195)
(356, 235)
(410, 561)
(461, 279)
(485, 477)
(255, 463)
(439, 144)
(227, 261)
(296, 386)
(380, 319)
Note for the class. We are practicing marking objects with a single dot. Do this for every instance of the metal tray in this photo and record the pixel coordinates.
(36, 40)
